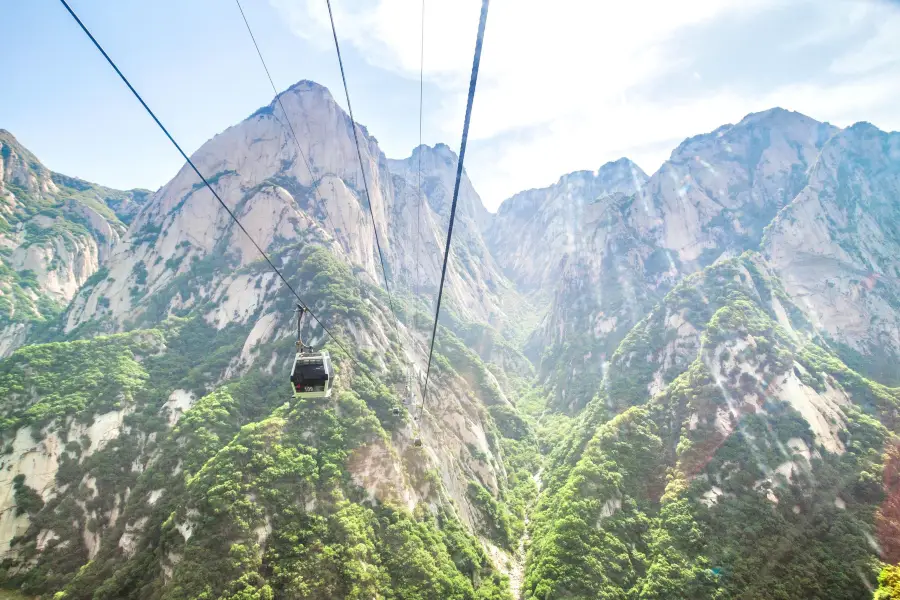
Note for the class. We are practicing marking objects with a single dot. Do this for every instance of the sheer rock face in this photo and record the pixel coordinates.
(604, 290)
(536, 232)
(422, 205)
(835, 246)
(260, 175)
(719, 190)
(568, 245)
(714, 197)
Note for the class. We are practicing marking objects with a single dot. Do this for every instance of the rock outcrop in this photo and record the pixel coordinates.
(55, 233)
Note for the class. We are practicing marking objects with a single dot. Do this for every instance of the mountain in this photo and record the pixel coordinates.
(751, 393)
(55, 233)
(260, 175)
(564, 244)
(674, 386)
(718, 191)
(713, 197)
(183, 342)
(478, 289)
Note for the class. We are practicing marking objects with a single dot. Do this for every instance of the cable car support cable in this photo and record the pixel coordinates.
(203, 179)
(419, 178)
(459, 168)
(312, 176)
(362, 169)
(420, 199)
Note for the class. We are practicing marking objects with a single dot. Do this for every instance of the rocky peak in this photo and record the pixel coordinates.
(303, 87)
(439, 164)
(777, 117)
(622, 175)
(441, 150)
(719, 190)
(553, 219)
(18, 166)
(434, 158)
(258, 172)
(437, 157)
(755, 133)
(307, 85)
(475, 279)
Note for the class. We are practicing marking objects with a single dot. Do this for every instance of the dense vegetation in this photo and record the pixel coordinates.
(717, 487)
(888, 583)
(714, 487)
(251, 494)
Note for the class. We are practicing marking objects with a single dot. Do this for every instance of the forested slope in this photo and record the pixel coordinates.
(760, 456)
(243, 492)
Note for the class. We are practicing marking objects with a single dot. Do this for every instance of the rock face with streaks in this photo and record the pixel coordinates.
(565, 244)
(716, 196)
(719, 190)
(537, 232)
(835, 247)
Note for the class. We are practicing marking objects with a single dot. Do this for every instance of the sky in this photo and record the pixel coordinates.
(564, 86)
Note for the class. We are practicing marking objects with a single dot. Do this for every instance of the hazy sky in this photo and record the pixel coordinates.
(565, 85)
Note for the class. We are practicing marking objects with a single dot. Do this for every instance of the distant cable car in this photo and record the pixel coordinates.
(312, 375)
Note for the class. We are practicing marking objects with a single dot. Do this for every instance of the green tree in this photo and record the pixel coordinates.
(888, 584)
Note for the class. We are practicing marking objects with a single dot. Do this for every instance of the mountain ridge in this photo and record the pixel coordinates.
(686, 376)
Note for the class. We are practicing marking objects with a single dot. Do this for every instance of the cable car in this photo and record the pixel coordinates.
(312, 374)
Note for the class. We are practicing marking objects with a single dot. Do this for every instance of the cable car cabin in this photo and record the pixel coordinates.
(312, 375)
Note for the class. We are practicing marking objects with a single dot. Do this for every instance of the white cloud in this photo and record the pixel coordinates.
(388, 32)
(881, 49)
(832, 25)
(563, 85)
